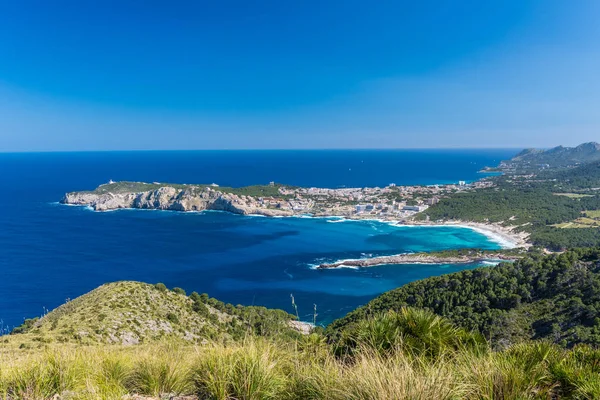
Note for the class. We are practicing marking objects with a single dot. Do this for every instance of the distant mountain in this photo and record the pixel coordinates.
(556, 157)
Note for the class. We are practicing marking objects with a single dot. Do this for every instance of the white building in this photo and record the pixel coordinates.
(414, 208)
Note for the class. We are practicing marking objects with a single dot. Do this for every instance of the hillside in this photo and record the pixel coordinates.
(547, 205)
(554, 297)
(130, 340)
(584, 179)
(556, 157)
(134, 312)
(408, 354)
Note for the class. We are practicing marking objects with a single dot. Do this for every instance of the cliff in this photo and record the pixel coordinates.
(169, 197)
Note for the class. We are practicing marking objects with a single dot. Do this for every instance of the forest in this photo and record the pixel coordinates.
(532, 204)
(553, 297)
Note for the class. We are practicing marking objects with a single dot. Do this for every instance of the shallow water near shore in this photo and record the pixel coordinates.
(50, 252)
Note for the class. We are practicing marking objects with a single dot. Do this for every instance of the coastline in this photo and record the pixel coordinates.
(502, 235)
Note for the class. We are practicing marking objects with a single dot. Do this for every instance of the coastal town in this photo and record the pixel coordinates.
(398, 204)
(392, 201)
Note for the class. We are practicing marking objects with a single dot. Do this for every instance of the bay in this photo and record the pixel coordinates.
(50, 252)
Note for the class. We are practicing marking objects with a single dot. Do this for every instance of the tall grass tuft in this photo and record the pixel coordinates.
(165, 372)
(374, 376)
(316, 378)
(110, 376)
(45, 375)
(213, 371)
(505, 376)
(253, 371)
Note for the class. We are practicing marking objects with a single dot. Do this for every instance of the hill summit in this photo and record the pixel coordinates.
(130, 312)
(556, 157)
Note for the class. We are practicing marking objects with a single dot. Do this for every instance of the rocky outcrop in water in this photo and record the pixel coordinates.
(418, 258)
(175, 199)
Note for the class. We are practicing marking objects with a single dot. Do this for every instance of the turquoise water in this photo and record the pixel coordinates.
(50, 252)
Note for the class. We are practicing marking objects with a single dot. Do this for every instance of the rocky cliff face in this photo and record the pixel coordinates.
(170, 198)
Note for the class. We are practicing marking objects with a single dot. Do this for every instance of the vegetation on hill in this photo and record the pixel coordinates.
(513, 206)
(536, 205)
(419, 341)
(556, 157)
(411, 354)
(523, 330)
(585, 178)
(137, 187)
(556, 238)
(133, 312)
(553, 297)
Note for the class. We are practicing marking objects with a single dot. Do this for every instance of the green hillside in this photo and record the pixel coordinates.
(554, 297)
(130, 340)
(409, 354)
(542, 205)
(134, 312)
(556, 157)
(136, 187)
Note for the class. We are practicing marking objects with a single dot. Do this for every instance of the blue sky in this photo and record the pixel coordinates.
(120, 75)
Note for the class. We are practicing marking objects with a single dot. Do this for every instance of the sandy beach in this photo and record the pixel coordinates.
(505, 236)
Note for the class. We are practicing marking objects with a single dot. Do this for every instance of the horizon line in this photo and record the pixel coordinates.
(264, 149)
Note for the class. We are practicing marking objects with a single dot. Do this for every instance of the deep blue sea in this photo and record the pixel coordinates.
(51, 252)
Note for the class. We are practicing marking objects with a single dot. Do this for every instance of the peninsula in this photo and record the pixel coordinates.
(445, 257)
(401, 205)
(555, 205)
(391, 202)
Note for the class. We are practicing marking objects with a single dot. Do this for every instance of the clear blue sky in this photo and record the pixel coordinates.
(118, 75)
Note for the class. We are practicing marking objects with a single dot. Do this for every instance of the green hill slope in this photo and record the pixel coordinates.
(556, 157)
(555, 297)
(542, 205)
(133, 312)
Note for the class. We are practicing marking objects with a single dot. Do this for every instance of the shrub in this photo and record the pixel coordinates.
(173, 318)
(179, 290)
(411, 330)
(26, 326)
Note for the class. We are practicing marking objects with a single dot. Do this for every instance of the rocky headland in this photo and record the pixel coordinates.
(421, 258)
(385, 204)
(174, 198)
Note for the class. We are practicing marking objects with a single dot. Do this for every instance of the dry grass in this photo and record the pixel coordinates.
(594, 214)
(573, 195)
(261, 369)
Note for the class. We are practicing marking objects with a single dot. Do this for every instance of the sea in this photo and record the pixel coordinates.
(50, 253)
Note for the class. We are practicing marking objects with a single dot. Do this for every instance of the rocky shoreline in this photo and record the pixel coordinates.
(418, 258)
(199, 198)
(192, 198)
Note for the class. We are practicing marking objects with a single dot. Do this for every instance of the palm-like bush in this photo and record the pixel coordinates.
(411, 330)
